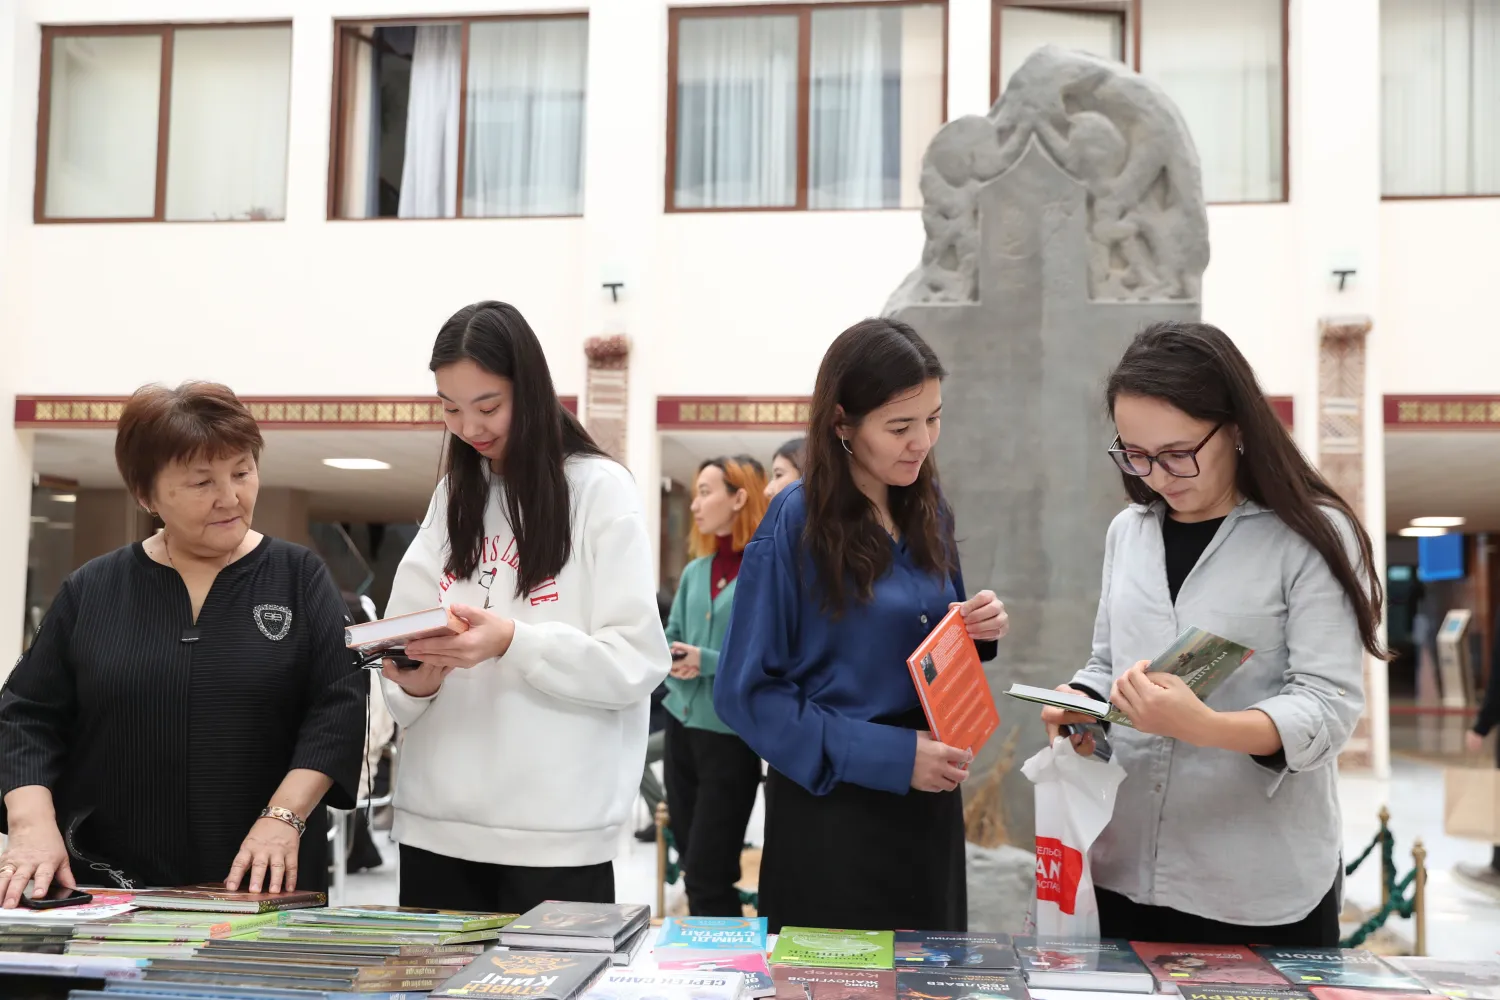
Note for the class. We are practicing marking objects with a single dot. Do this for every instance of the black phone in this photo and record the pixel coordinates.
(57, 895)
(679, 654)
(402, 661)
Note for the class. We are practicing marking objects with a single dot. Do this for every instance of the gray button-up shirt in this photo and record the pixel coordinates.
(1208, 831)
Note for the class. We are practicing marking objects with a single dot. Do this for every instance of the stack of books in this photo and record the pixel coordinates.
(384, 950)
(732, 945)
(821, 964)
(618, 930)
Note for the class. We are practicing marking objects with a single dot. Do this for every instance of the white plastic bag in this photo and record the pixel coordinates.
(1075, 797)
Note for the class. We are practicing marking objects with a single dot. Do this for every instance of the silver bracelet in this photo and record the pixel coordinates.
(286, 816)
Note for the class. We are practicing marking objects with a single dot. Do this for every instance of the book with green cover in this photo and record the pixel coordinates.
(820, 948)
(1200, 658)
(401, 918)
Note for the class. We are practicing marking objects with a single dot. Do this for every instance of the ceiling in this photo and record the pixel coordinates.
(292, 459)
(1443, 473)
(1427, 472)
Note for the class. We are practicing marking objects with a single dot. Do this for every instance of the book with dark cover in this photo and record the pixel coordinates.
(825, 948)
(735, 934)
(217, 899)
(960, 984)
(752, 965)
(1195, 965)
(576, 926)
(1350, 967)
(649, 984)
(794, 983)
(536, 975)
(1478, 980)
(956, 950)
(1106, 966)
(1234, 991)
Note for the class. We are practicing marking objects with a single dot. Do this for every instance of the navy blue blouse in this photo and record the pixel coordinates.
(801, 688)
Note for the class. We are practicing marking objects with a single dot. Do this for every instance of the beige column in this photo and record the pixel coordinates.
(605, 395)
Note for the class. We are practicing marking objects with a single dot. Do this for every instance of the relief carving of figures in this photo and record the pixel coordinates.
(1114, 132)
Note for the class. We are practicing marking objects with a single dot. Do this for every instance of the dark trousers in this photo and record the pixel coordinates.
(438, 882)
(1119, 917)
(712, 779)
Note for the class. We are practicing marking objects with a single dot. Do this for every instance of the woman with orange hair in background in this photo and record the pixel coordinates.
(711, 775)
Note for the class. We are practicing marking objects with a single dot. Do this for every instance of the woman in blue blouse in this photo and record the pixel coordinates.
(851, 569)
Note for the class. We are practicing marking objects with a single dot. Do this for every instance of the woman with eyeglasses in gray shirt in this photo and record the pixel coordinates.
(1226, 829)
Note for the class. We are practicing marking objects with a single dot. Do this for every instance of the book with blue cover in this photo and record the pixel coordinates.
(1351, 967)
(732, 934)
(955, 950)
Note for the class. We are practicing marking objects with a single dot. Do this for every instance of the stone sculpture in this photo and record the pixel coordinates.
(1057, 226)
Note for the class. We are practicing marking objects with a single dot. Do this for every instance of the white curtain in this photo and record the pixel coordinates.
(1440, 97)
(429, 176)
(853, 126)
(1221, 64)
(101, 150)
(524, 152)
(358, 172)
(227, 142)
(1023, 30)
(736, 112)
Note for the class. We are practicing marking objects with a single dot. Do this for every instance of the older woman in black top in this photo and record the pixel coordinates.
(188, 704)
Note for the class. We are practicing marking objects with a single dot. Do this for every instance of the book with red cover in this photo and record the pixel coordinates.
(1195, 965)
(1345, 993)
(794, 983)
(951, 685)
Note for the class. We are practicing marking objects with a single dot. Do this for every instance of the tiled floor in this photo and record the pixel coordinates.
(1462, 921)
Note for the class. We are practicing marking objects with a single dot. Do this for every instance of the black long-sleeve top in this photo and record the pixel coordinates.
(161, 738)
(1489, 711)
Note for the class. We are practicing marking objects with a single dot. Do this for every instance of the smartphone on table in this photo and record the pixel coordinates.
(57, 895)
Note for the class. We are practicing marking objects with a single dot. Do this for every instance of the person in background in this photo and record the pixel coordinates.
(364, 853)
(786, 466)
(850, 571)
(525, 735)
(188, 707)
(1487, 720)
(652, 792)
(1226, 828)
(712, 776)
(752, 464)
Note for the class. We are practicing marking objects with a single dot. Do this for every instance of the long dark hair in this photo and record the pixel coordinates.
(1196, 368)
(870, 364)
(543, 435)
(794, 451)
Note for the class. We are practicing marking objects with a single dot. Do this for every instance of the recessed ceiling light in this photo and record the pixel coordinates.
(1437, 522)
(65, 497)
(368, 464)
(1422, 532)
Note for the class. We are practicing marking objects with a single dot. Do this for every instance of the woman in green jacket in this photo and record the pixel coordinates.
(711, 775)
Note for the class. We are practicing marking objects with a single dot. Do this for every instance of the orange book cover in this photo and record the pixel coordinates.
(951, 684)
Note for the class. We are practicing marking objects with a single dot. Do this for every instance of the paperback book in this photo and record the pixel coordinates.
(1463, 980)
(951, 686)
(372, 935)
(811, 947)
(1106, 966)
(368, 638)
(630, 984)
(1349, 967)
(960, 984)
(1235, 991)
(1195, 965)
(1200, 658)
(535, 975)
(735, 934)
(217, 899)
(794, 983)
(751, 965)
(401, 918)
(955, 950)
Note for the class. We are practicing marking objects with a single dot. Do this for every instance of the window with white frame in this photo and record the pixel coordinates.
(164, 123)
(1440, 98)
(476, 117)
(749, 129)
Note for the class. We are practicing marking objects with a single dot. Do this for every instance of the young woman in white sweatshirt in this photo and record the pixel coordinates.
(525, 735)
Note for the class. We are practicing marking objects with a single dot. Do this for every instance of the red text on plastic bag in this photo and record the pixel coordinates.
(1058, 871)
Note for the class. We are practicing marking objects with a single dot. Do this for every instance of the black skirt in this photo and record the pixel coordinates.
(862, 859)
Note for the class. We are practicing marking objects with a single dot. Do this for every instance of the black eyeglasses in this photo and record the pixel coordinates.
(1179, 464)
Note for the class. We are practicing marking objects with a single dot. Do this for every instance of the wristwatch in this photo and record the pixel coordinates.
(286, 816)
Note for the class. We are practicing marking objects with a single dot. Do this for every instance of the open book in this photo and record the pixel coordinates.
(1200, 658)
